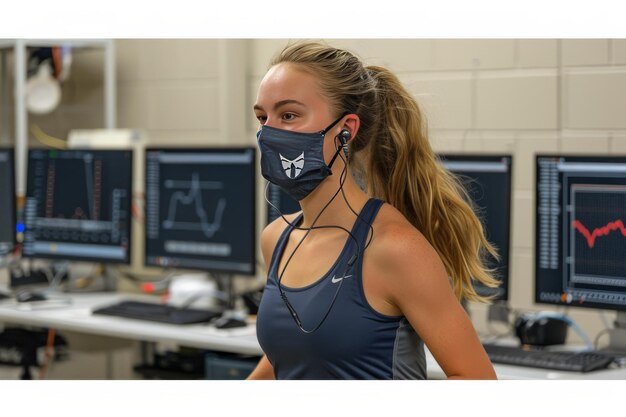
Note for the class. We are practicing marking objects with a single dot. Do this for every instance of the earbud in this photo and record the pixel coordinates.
(344, 137)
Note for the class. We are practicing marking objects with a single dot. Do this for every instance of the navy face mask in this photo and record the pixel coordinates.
(294, 161)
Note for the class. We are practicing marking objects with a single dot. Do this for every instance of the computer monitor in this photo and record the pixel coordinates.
(7, 202)
(200, 209)
(487, 178)
(281, 200)
(580, 232)
(78, 205)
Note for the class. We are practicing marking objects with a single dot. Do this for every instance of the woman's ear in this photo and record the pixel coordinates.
(351, 124)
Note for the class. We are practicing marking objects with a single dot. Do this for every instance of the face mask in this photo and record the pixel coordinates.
(294, 161)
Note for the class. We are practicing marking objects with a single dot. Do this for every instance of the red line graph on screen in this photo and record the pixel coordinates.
(599, 231)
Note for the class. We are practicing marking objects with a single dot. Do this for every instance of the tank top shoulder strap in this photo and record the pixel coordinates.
(366, 218)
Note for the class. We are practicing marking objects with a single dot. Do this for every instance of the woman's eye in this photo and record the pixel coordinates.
(262, 119)
(288, 116)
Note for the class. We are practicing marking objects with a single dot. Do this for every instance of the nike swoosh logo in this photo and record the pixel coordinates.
(336, 280)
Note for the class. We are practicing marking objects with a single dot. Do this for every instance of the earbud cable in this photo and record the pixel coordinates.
(353, 259)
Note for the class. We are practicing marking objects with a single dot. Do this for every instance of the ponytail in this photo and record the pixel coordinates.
(402, 169)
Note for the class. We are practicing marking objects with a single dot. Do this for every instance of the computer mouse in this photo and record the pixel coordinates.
(29, 296)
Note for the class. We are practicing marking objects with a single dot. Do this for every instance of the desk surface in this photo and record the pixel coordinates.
(77, 317)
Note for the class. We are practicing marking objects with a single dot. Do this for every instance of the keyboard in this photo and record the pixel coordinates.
(157, 312)
(562, 361)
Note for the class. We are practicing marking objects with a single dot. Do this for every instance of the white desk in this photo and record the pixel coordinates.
(77, 317)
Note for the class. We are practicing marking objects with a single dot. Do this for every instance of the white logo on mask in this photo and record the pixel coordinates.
(292, 168)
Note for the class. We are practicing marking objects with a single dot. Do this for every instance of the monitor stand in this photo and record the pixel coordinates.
(102, 281)
(617, 336)
(231, 317)
(499, 311)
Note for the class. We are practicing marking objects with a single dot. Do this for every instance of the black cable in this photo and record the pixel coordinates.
(353, 259)
(283, 295)
(345, 161)
(308, 229)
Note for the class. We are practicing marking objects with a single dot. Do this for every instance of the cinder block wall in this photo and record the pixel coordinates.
(486, 95)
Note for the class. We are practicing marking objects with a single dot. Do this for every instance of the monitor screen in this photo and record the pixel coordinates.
(281, 200)
(78, 205)
(200, 209)
(7, 202)
(580, 237)
(488, 182)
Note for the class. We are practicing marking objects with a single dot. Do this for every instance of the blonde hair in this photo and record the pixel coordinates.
(392, 155)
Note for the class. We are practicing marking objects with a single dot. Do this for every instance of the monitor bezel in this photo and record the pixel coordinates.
(208, 149)
(129, 227)
(590, 158)
(10, 151)
(493, 156)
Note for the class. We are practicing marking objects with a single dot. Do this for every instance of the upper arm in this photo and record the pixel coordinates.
(417, 283)
(263, 370)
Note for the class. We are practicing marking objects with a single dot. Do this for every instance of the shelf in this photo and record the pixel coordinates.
(18, 47)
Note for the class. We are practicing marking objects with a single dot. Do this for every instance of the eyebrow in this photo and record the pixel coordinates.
(281, 103)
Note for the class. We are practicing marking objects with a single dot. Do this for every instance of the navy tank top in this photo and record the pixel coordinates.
(355, 341)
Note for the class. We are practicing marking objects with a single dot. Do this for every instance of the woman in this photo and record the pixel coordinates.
(358, 282)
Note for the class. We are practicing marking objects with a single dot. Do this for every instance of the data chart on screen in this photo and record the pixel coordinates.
(200, 209)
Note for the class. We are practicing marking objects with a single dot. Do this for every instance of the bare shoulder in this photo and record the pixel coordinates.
(272, 232)
(401, 254)
(395, 236)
